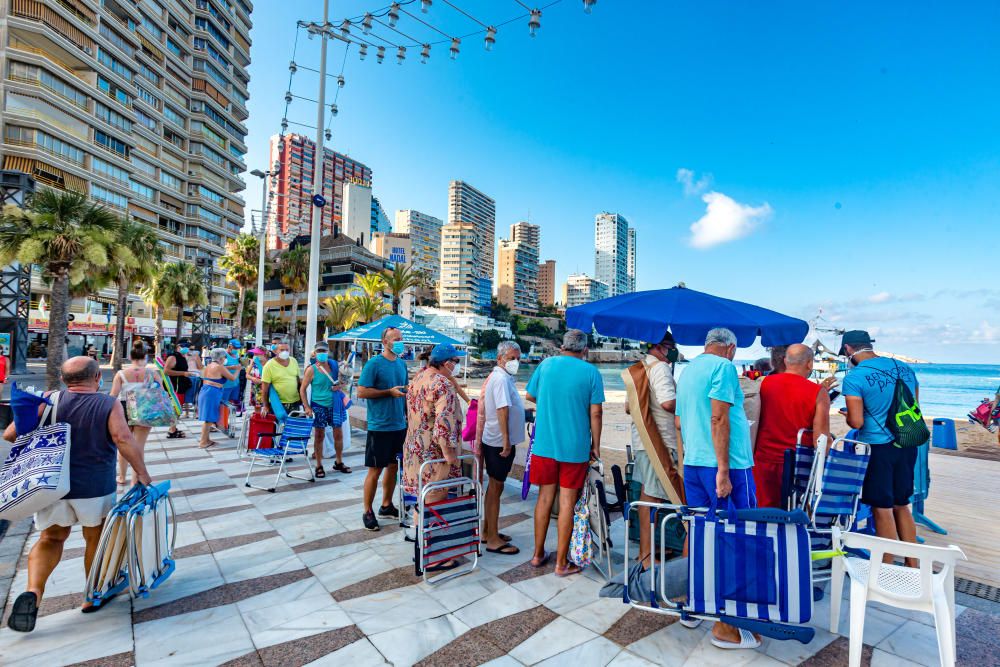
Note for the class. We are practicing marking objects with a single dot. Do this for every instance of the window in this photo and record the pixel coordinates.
(114, 91)
(149, 74)
(107, 169)
(24, 135)
(149, 98)
(116, 39)
(112, 118)
(145, 144)
(114, 64)
(143, 191)
(205, 214)
(203, 66)
(147, 121)
(112, 144)
(173, 94)
(201, 149)
(173, 115)
(108, 197)
(174, 49)
(209, 133)
(171, 181)
(209, 195)
(144, 167)
(153, 29)
(174, 138)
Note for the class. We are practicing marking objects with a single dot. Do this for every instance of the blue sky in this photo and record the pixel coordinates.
(842, 157)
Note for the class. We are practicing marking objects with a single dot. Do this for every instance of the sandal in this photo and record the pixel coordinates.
(211, 443)
(320, 473)
(571, 569)
(342, 468)
(443, 567)
(176, 434)
(24, 612)
(747, 641)
(507, 550)
(540, 562)
(505, 538)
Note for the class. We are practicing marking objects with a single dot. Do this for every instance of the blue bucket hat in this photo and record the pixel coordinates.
(445, 351)
(235, 342)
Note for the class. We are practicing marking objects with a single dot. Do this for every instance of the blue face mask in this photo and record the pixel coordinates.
(183, 350)
(100, 383)
(398, 347)
(322, 357)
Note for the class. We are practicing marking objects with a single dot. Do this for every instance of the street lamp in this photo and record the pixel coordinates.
(264, 175)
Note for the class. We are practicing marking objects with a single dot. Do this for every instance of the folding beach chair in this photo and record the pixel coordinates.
(293, 440)
(600, 520)
(749, 568)
(448, 528)
(135, 550)
(407, 501)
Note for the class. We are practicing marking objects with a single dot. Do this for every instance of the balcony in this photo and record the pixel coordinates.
(40, 84)
(34, 10)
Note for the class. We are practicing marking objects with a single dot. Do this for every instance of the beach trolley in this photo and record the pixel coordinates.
(448, 528)
(135, 550)
(748, 568)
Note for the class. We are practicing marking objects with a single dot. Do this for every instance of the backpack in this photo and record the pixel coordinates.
(905, 421)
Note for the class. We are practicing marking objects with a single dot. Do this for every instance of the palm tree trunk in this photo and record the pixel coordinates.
(158, 331)
(295, 322)
(58, 326)
(119, 348)
(395, 303)
(238, 333)
(180, 322)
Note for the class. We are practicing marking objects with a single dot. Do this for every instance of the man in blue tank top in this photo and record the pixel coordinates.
(98, 432)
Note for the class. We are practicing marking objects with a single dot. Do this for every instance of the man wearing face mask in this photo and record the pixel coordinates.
(653, 379)
(282, 373)
(502, 431)
(713, 439)
(383, 385)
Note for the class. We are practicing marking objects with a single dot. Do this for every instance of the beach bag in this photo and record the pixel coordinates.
(471, 420)
(905, 421)
(149, 405)
(35, 472)
(581, 546)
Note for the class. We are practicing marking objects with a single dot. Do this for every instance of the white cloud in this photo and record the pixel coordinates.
(881, 297)
(986, 333)
(726, 220)
(692, 187)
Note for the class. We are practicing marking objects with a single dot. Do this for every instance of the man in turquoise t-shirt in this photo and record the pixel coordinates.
(383, 386)
(569, 393)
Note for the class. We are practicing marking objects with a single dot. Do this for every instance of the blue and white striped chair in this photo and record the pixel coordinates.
(292, 441)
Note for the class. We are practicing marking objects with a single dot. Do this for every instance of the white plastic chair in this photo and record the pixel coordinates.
(915, 588)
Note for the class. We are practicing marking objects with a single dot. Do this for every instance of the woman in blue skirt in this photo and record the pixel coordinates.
(325, 406)
(213, 376)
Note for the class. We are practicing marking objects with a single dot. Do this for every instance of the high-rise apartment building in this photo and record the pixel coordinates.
(613, 263)
(630, 269)
(356, 212)
(291, 206)
(581, 288)
(547, 283)
(379, 220)
(425, 238)
(140, 106)
(517, 269)
(467, 250)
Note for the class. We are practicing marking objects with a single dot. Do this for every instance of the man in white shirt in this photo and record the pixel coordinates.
(662, 401)
(502, 429)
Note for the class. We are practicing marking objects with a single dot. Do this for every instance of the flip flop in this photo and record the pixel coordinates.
(94, 608)
(24, 612)
(540, 563)
(211, 443)
(507, 550)
(505, 538)
(747, 641)
(571, 569)
(443, 568)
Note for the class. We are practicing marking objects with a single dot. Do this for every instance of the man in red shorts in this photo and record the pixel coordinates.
(569, 394)
(789, 402)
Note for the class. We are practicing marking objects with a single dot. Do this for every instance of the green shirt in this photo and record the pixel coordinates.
(284, 379)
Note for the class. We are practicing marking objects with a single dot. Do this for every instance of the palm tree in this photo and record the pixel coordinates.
(155, 294)
(249, 307)
(70, 238)
(272, 323)
(372, 284)
(240, 265)
(368, 308)
(401, 278)
(143, 243)
(292, 269)
(182, 285)
(340, 312)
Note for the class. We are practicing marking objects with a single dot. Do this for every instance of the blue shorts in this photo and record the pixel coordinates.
(699, 487)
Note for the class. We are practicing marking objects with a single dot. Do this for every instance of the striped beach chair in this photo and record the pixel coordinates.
(292, 441)
(448, 528)
(749, 568)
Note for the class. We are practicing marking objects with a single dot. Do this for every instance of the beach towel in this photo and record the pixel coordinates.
(637, 390)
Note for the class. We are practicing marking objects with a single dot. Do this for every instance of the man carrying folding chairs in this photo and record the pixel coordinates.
(98, 432)
(713, 436)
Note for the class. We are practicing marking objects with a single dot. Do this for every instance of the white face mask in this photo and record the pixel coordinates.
(284, 354)
(512, 366)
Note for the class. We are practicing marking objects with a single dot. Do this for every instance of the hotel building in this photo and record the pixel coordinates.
(467, 250)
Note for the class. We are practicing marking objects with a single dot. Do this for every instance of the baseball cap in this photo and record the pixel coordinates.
(445, 351)
(235, 342)
(856, 339)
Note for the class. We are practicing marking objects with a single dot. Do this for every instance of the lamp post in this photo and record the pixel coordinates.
(264, 175)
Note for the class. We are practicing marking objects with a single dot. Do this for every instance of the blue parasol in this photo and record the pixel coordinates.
(688, 314)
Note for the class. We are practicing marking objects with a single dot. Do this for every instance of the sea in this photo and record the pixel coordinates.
(946, 390)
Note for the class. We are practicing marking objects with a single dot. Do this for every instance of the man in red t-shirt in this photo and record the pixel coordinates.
(789, 402)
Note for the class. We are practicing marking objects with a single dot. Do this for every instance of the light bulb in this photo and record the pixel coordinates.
(453, 51)
(588, 5)
(393, 15)
(288, 97)
(400, 55)
(284, 124)
(535, 22)
(328, 134)
(340, 80)
(425, 5)
(334, 110)
(380, 56)
(292, 67)
(491, 38)
(366, 24)
(363, 51)
(425, 53)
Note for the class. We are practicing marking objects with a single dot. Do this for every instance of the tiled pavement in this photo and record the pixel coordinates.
(291, 579)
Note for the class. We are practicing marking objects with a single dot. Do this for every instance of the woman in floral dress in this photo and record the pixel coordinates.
(434, 429)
